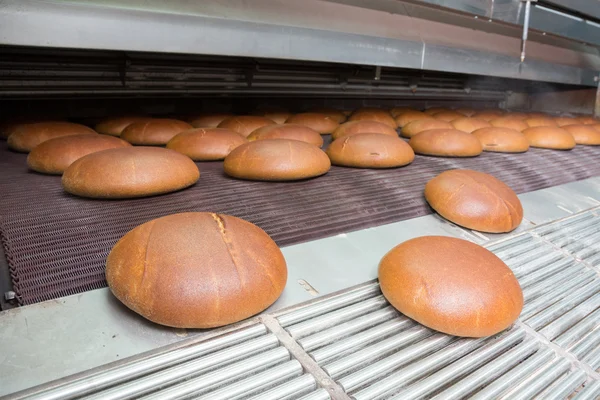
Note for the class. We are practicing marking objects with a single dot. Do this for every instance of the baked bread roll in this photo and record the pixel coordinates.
(154, 132)
(451, 285)
(55, 155)
(375, 110)
(564, 121)
(115, 126)
(379, 116)
(277, 116)
(540, 121)
(356, 127)
(509, 123)
(288, 131)
(276, 160)
(536, 115)
(446, 143)
(196, 270)
(129, 172)
(584, 134)
(502, 140)
(337, 115)
(420, 125)
(317, 122)
(448, 116)
(488, 115)
(206, 144)
(516, 115)
(587, 120)
(208, 120)
(405, 118)
(474, 200)
(9, 126)
(370, 150)
(549, 137)
(28, 136)
(434, 110)
(467, 112)
(469, 125)
(245, 124)
(397, 111)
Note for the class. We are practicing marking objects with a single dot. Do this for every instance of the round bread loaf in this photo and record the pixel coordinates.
(584, 134)
(7, 127)
(468, 112)
(276, 160)
(370, 150)
(279, 117)
(474, 200)
(540, 121)
(321, 123)
(154, 132)
(502, 140)
(376, 110)
(115, 126)
(516, 115)
(28, 136)
(336, 115)
(469, 125)
(446, 143)
(448, 116)
(564, 121)
(288, 131)
(509, 123)
(356, 127)
(451, 285)
(488, 115)
(129, 172)
(397, 111)
(245, 124)
(196, 270)
(434, 110)
(405, 118)
(420, 125)
(206, 144)
(379, 116)
(549, 137)
(587, 120)
(209, 120)
(55, 155)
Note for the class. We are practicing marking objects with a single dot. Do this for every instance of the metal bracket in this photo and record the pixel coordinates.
(525, 26)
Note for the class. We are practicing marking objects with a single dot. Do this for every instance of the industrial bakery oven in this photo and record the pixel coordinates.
(331, 334)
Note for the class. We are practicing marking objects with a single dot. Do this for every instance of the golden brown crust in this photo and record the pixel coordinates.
(469, 125)
(564, 121)
(451, 285)
(448, 116)
(405, 118)
(279, 117)
(516, 115)
(370, 150)
(446, 143)
(196, 270)
(321, 123)
(55, 155)
(488, 115)
(587, 120)
(420, 125)
(584, 134)
(509, 123)
(398, 111)
(154, 132)
(540, 121)
(276, 160)
(211, 120)
(129, 172)
(435, 110)
(375, 115)
(474, 200)
(115, 126)
(245, 124)
(355, 127)
(337, 115)
(288, 131)
(206, 144)
(28, 136)
(467, 112)
(502, 140)
(549, 137)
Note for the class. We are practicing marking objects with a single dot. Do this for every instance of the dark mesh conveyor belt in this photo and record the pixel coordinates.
(56, 243)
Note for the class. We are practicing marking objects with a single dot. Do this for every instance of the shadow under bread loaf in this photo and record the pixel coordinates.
(276, 160)
(129, 172)
(288, 131)
(451, 285)
(474, 200)
(370, 150)
(206, 144)
(446, 143)
(28, 136)
(196, 270)
(55, 155)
